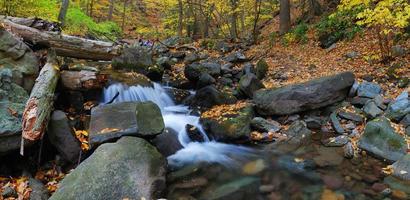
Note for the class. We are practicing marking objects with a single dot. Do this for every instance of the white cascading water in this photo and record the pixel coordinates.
(177, 117)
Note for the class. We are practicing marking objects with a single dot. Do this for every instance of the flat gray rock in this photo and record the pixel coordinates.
(108, 122)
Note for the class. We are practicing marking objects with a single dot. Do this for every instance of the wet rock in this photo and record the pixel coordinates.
(408, 131)
(249, 83)
(235, 127)
(236, 57)
(399, 107)
(380, 139)
(225, 81)
(204, 80)
(193, 71)
(210, 96)
(167, 142)
(178, 95)
(338, 141)
(39, 191)
(240, 188)
(401, 168)
(109, 122)
(261, 124)
(351, 116)
(302, 97)
(372, 110)
(128, 168)
(298, 133)
(138, 59)
(261, 69)
(194, 134)
(9, 192)
(336, 124)
(16, 56)
(369, 90)
(348, 150)
(61, 136)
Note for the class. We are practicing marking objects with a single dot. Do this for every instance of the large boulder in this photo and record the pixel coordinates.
(61, 136)
(167, 142)
(249, 83)
(112, 121)
(209, 96)
(228, 126)
(12, 102)
(310, 95)
(18, 57)
(193, 71)
(380, 139)
(135, 58)
(128, 169)
(139, 59)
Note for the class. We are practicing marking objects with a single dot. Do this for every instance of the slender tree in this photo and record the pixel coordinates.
(180, 17)
(284, 15)
(111, 9)
(63, 11)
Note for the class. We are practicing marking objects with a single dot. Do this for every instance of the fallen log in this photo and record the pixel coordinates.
(83, 80)
(40, 104)
(65, 45)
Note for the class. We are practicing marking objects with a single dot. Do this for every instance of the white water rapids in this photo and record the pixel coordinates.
(177, 117)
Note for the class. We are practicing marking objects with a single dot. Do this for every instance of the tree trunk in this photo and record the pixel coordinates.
(123, 15)
(40, 104)
(82, 80)
(63, 11)
(91, 8)
(65, 45)
(180, 17)
(111, 10)
(284, 15)
(234, 19)
(255, 31)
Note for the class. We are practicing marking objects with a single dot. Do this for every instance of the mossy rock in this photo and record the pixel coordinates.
(380, 139)
(230, 127)
(261, 69)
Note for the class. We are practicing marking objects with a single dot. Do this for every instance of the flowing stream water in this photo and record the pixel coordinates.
(177, 117)
(212, 170)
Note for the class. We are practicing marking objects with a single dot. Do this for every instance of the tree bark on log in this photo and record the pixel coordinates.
(65, 45)
(40, 104)
(83, 80)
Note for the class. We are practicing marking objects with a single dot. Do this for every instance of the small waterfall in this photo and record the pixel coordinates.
(177, 117)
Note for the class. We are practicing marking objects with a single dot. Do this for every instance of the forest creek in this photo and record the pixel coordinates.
(208, 119)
